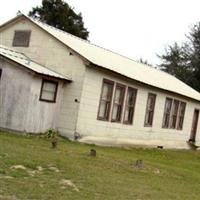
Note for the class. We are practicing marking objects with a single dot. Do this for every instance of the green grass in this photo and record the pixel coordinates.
(166, 174)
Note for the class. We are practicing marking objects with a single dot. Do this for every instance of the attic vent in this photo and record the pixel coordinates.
(21, 38)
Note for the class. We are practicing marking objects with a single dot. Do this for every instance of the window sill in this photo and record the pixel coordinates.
(48, 101)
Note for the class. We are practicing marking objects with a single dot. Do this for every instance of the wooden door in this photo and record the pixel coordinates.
(194, 125)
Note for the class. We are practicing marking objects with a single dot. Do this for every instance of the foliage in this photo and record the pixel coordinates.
(183, 61)
(51, 133)
(144, 62)
(59, 14)
(166, 174)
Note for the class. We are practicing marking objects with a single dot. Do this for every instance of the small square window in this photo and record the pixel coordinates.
(48, 91)
(21, 38)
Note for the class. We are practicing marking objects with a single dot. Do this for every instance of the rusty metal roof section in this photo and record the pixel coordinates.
(26, 62)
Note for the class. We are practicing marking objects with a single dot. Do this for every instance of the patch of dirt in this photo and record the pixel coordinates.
(18, 167)
(156, 171)
(39, 168)
(55, 169)
(68, 183)
(6, 177)
(8, 197)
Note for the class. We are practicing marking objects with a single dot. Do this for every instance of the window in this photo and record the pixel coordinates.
(105, 100)
(0, 73)
(181, 114)
(48, 90)
(130, 105)
(174, 114)
(166, 117)
(118, 103)
(150, 109)
(21, 38)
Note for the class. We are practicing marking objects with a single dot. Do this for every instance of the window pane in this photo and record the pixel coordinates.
(104, 108)
(48, 86)
(118, 94)
(118, 103)
(107, 90)
(115, 112)
(168, 105)
(48, 95)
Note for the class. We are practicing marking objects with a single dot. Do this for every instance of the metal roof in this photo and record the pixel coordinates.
(118, 63)
(26, 62)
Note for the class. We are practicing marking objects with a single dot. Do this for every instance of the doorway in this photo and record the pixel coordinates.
(194, 125)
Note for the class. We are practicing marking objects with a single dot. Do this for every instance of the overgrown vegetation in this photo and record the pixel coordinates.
(31, 169)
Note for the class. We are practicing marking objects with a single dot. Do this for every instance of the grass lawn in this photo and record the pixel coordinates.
(31, 169)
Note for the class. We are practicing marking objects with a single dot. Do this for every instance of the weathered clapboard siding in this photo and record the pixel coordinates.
(93, 130)
(51, 53)
(21, 109)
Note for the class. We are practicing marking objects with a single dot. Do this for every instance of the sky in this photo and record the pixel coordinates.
(133, 28)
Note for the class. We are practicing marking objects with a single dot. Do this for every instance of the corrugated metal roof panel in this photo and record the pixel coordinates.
(120, 64)
(26, 62)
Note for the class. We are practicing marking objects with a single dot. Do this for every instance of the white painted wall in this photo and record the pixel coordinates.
(101, 132)
(51, 53)
(21, 108)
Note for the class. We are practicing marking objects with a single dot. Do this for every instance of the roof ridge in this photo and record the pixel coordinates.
(89, 42)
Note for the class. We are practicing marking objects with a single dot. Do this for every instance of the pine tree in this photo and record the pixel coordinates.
(184, 61)
(59, 14)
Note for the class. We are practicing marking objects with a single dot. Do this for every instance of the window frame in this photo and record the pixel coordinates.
(181, 115)
(55, 93)
(110, 102)
(121, 104)
(148, 110)
(130, 122)
(26, 44)
(174, 114)
(177, 115)
(163, 125)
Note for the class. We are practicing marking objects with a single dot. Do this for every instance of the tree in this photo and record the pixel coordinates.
(59, 14)
(145, 62)
(183, 61)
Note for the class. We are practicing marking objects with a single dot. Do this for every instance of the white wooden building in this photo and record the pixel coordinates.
(89, 93)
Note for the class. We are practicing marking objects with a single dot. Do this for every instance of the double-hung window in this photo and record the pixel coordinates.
(105, 100)
(166, 116)
(174, 114)
(114, 105)
(130, 105)
(48, 90)
(150, 109)
(181, 114)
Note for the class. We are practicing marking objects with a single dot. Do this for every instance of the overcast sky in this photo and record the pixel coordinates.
(134, 28)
